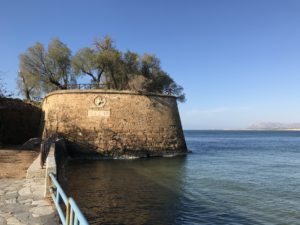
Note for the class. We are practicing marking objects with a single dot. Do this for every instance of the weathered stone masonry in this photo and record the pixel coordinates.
(115, 123)
(19, 121)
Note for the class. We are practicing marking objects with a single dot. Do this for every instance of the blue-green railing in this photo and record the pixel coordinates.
(72, 215)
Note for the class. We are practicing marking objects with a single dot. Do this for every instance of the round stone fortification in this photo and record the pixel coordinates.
(115, 124)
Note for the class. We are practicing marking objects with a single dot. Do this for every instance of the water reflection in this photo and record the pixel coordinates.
(231, 178)
(145, 191)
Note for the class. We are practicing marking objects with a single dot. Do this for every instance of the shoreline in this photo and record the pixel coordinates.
(296, 129)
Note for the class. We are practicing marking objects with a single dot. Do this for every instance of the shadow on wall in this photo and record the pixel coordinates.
(19, 121)
(106, 142)
(157, 102)
(111, 144)
(140, 125)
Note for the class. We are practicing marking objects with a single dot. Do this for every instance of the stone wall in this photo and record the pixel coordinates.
(115, 123)
(19, 121)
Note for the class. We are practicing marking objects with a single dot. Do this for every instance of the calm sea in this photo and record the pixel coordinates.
(232, 177)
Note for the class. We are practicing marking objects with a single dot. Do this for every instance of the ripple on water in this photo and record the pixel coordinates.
(230, 178)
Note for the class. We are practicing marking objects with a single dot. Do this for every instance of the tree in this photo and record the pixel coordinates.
(29, 86)
(85, 62)
(42, 70)
(155, 79)
(52, 67)
(112, 67)
(100, 62)
(106, 65)
(58, 63)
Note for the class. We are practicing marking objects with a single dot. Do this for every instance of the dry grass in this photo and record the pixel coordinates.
(14, 163)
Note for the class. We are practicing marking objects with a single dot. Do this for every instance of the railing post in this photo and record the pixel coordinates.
(73, 214)
(57, 197)
(68, 213)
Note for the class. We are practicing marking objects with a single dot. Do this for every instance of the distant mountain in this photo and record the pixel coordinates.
(275, 126)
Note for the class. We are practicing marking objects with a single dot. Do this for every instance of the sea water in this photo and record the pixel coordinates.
(231, 177)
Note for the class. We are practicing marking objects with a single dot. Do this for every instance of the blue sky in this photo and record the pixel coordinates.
(238, 60)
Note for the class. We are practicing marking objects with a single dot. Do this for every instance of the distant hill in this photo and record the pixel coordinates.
(275, 126)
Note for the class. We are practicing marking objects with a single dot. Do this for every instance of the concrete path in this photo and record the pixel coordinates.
(22, 202)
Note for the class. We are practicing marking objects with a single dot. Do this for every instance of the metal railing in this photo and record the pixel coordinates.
(83, 86)
(72, 215)
(45, 148)
(166, 91)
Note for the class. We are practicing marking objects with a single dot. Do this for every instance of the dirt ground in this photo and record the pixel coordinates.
(14, 163)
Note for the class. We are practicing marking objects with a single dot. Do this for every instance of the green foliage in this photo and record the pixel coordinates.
(58, 63)
(105, 64)
(29, 86)
(85, 62)
(42, 70)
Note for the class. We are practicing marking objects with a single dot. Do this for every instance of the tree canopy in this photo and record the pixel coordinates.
(29, 86)
(42, 70)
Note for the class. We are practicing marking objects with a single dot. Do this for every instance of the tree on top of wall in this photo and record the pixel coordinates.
(43, 70)
(29, 86)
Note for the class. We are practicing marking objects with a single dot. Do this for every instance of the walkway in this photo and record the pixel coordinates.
(22, 200)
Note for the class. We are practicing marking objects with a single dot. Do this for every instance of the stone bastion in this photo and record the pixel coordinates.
(115, 124)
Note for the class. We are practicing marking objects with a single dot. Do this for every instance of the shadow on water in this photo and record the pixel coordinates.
(144, 191)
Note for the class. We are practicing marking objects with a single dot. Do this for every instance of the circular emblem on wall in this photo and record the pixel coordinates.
(99, 101)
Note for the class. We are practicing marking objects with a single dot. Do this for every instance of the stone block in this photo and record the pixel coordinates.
(149, 122)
